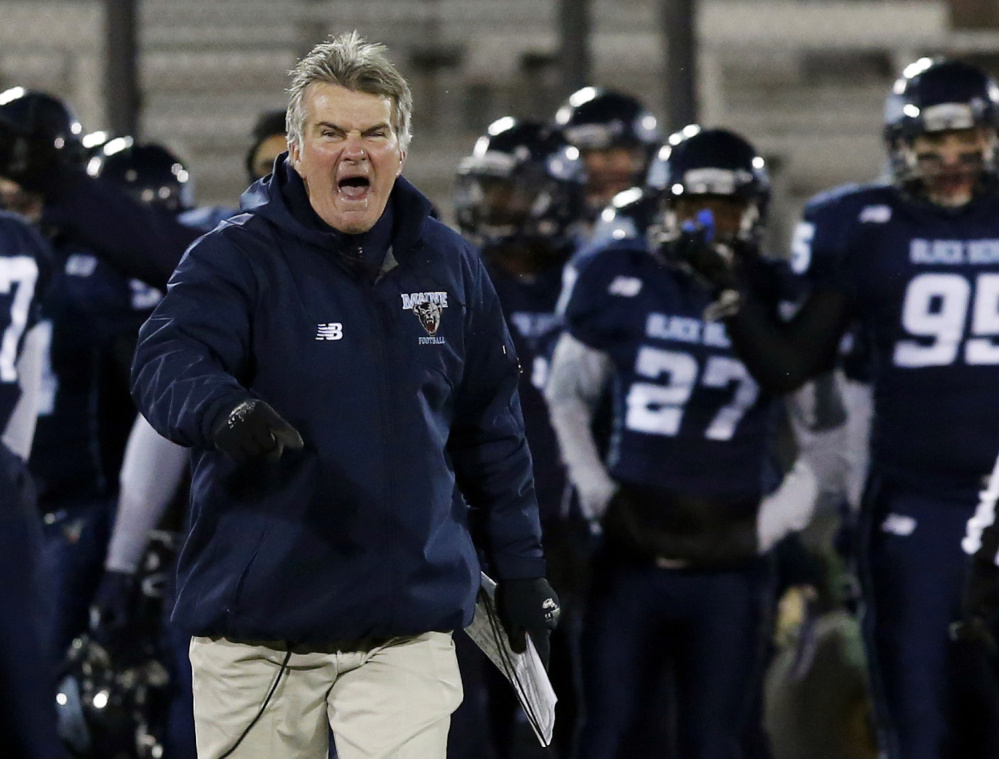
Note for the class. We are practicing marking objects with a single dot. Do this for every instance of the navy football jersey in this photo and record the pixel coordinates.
(24, 260)
(925, 285)
(819, 224)
(529, 306)
(85, 411)
(688, 416)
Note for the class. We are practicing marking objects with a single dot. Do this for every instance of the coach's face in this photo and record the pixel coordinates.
(349, 156)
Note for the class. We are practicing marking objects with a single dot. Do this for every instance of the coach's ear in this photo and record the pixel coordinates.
(295, 157)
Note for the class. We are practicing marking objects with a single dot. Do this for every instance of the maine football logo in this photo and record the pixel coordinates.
(429, 308)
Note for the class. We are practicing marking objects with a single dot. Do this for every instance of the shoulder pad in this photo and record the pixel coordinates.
(848, 203)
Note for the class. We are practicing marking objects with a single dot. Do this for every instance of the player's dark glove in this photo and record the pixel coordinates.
(252, 430)
(979, 605)
(531, 607)
(696, 251)
(112, 611)
(33, 161)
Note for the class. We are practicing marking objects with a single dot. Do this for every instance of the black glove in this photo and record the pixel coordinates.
(252, 429)
(528, 606)
(696, 251)
(979, 605)
(113, 609)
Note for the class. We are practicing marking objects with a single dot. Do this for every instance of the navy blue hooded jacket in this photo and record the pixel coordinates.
(404, 388)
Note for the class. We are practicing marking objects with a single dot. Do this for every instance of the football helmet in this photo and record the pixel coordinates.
(522, 184)
(710, 164)
(594, 118)
(105, 710)
(112, 702)
(38, 115)
(934, 96)
(149, 172)
(616, 136)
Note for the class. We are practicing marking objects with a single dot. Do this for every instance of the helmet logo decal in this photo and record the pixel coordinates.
(714, 181)
(949, 116)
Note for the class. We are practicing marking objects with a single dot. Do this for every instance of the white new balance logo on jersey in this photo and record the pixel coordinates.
(899, 524)
(875, 214)
(330, 331)
(626, 287)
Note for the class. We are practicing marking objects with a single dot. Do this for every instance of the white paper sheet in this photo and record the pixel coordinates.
(525, 671)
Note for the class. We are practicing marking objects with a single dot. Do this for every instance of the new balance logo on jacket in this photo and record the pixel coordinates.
(330, 331)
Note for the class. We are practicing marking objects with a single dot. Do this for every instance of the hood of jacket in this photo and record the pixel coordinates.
(282, 199)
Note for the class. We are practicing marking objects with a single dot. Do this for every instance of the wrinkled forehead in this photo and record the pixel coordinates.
(349, 109)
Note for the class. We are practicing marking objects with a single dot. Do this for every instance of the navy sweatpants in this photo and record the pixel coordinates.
(709, 628)
(76, 534)
(912, 570)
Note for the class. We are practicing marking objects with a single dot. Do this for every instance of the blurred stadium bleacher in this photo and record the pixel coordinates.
(806, 80)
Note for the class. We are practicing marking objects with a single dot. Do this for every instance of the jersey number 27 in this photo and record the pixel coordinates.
(657, 409)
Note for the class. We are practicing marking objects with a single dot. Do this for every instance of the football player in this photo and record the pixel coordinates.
(630, 212)
(520, 199)
(917, 262)
(92, 313)
(27, 679)
(687, 497)
(269, 142)
(616, 136)
(44, 169)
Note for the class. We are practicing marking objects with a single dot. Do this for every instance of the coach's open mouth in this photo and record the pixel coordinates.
(354, 188)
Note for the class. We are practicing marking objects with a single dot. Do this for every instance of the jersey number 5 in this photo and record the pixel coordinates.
(936, 306)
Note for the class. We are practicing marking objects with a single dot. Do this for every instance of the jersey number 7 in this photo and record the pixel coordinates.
(18, 275)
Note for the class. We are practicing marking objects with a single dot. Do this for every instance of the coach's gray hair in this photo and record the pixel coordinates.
(349, 61)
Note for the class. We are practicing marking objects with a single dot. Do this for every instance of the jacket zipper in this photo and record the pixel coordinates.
(385, 429)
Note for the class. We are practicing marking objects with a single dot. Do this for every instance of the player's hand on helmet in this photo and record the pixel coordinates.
(113, 608)
(254, 430)
(979, 605)
(528, 607)
(30, 160)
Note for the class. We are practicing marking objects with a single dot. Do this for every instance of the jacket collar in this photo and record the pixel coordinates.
(282, 199)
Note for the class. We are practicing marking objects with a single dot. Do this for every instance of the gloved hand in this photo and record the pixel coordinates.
(30, 160)
(111, 613)
(979, 605)
(696, 251)
(789, 508)
(251, 430)
(528, 606)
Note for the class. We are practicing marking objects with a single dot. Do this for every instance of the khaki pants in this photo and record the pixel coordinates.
(391, 699)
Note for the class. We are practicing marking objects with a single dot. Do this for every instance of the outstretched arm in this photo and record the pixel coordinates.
(139, 240)
(782, 356)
